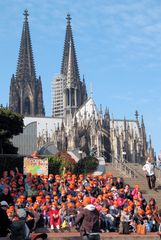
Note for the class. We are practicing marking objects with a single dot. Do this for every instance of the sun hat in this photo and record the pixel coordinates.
(4, 203)
(86, 200)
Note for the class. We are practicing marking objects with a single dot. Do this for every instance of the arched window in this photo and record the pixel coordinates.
(72, 97)
(27, 106)
(68, 97)
(18, 108)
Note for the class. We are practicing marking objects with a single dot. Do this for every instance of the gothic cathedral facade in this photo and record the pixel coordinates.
(83, 127)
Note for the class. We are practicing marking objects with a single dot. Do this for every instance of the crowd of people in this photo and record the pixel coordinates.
(56, 202)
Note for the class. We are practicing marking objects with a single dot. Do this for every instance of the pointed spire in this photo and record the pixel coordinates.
(39, 96)
(143, 136)
(75, 121)
(25, 66)
(13, 78)
(84, 80)
(125, 126)
(68, 19)
(136, 115)
(124, 123)
(84, 95)
(142, 121)
(69, 46)
(150, 142)
(101, 109)
(26, 14)
(62, 126)
(91, 90)
(25, 89)
(137, 119)
(106, 111)
(150, 149)
(70, 71)
(85, 112)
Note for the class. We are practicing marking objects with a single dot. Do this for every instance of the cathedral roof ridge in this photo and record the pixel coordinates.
(122, 120)
(47, 117)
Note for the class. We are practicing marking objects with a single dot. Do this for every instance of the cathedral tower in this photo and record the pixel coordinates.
(74, 90)
(26, 96)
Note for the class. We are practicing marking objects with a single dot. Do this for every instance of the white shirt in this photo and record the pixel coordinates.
(149, 168)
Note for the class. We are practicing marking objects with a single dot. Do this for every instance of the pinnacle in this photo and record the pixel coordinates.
(26, 14)
(68, 19)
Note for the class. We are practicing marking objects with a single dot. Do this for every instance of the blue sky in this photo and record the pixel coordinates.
(118, 45)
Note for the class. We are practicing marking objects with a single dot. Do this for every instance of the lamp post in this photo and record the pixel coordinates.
(123, 156)
(80, 154)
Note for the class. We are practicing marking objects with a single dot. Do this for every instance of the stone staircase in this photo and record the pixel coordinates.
(140, 179)
(104, 236)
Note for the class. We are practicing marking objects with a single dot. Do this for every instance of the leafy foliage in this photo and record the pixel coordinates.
(60, 161)
(63, 160)
(54, 164)
(11, 163)
(11, 124)
(87, 165)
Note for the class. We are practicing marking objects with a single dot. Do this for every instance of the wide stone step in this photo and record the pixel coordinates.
(104, 236)
(116, 172)
(140, 180)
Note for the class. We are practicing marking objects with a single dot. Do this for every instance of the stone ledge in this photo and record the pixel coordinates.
(104, 236)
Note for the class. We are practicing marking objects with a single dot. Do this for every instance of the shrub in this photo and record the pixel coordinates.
(11, 162)
(87, 165)
(60, 161)
(54, 164)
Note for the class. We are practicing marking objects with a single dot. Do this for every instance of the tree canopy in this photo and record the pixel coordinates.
(11, 124)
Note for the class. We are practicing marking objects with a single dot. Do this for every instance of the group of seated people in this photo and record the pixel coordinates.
(54, 201)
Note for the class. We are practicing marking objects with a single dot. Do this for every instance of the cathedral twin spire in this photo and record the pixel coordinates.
(69, 65)
(74, 90)
(25, 64)
(26, 95)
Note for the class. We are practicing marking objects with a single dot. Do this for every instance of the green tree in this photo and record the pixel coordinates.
(11, 124)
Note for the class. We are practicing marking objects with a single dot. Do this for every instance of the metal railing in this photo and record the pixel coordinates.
(124, 168)
(158, 174)
(128, 171)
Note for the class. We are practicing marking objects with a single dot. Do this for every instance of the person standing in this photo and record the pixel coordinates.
(88, 220)
(4, 220)
(150, 174)
(19, 229)
(5, 196)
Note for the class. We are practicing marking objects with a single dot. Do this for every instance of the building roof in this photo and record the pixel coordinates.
(87, 110)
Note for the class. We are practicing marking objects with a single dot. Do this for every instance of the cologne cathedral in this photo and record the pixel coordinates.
(76, 125)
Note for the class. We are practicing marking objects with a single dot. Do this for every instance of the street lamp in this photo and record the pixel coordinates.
(80, 153)
(124, 156)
